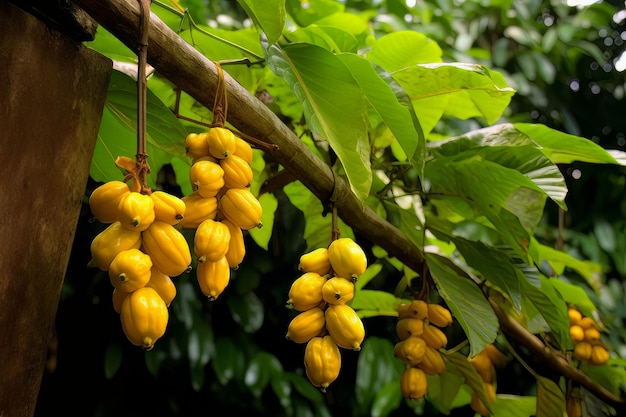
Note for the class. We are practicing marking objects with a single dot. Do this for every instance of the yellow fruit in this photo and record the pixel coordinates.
(167, 207)
(497, 357)
(117, 298)
(136, 211)
(237, 172)
(196, 145)
(163, 285)
(478, 406)
(144, 317)
(211, 241)
(130, 270)
(576, 333)
(409, 327)
(416, 309)
(583, 350)
(306, 291)
(434, 337)
(490, 391)
(413, 383)
(346, 257)
(306, 325)
(213, 277)
(207, 178)
(237, 247)
(432, 363)
(592, 335)
(243, 150)
(599, 355)
(315, 261)
(345, 326)
(322, 361)
(242, 208)
(483, 366)
(197, 210)
(111, 241)
(167, 248)
(439, 315)
(338, 290)
(105, 200)
(410, 351)
(573, 406)
(222, 142)
(587, 323)
(574, 315)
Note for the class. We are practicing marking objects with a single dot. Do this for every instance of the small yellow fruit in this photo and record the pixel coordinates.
(434, 337)
(118, 297)
(163, 285)
(439, 315)
(582, 350)
(416, 309)
(136, 211)
(105, 200)
(243, 150)
(478, 406)
(587, 323)
(213, 277)
(237, 246)
(211, 241)
(130, 270)
(167, 207)
(497, 357)
(306, 325)
(413, 383)
(409, 327)
(222, 142)
(206, 177)
(338, 290)
(111, 241)
(345, 326)
(484, 366)
(315, 261)
(576, 333)
(144, 317)
(410, 351)
(432, 363)
(346, 257)
(196, 145)
(198, 209)
(574, 315)
(592, 335)
(322, 361)
(306, 291)
(242, 208)
(167, 248)
(599, 355)
(237, 172)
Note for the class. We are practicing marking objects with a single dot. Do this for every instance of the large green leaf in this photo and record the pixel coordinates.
(398, 50)
(550, 398)
(333, 105)
(335, 39)
(268, 15)
(458, 90)
(381, 98)
(466, 302)
(314, 11)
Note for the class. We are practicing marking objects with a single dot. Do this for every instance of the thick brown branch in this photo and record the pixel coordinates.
(197, 75)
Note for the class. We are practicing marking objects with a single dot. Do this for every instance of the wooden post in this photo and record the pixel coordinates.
(51, 99)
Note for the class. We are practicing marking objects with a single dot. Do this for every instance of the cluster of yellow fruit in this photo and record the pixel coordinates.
(141, 250)
(485, 363)
(419, 329)
(586, 337)
(325, 322)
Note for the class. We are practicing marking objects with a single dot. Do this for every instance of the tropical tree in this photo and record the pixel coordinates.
(436, 141)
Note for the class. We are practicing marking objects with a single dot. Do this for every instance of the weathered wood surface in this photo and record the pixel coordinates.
(51, 99)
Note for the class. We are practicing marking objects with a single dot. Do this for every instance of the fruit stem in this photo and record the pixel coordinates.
(143, 168)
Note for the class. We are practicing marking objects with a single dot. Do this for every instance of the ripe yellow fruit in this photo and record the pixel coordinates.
(237, 247)
(163, 285)
(243, 150)
(410, 351)
(306, 325)
(242, 208)
(222, 142)
(484, 366)
(434, 337)
(497, 357)
(196, 145)
(167, 207)
(439, 315)
(587, 323)
(213, 277)
(478, 406)
(346, 257)
(306, 291)
(599, 355)
(105, 200)
(167, 248)
(413, 383)
(573, 406)
(416, 309)
(237, 172)
(409, 327)
(576, 333)
(583, 350)
(136, 211)
(315, 261)
(207, 178)
(211, 241)
(322, 361)
(338, 290)
(345, 326)
(111, 241)
(574, 315)
(130, 270)
(432, 363)
(144, 317)
(198, 209)
(117, 298)
(592, 335)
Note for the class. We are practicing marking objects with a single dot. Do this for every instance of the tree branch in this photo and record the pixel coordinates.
(193, 73)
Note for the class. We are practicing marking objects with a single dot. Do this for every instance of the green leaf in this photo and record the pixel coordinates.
(315, 10)
(247, 310)
(397, 50)
(263, 234)
(269, 16)
(550, 398)
(260, 371)
(575, 295)
(458, 90)
(563, 148)
(387, 399)
(232, 361)
(333, 105)
(466, 302)
(334, 39)
(112, 360)
(111, 47)
(383, 101)
(514, 406)
(444, 388)
(369, 303)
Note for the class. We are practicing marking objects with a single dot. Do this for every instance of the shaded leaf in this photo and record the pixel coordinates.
(550, 398)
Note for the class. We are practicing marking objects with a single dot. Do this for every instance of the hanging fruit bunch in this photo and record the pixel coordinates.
(419, 330)
(485, 363)
(585, 334)
(325, 322)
